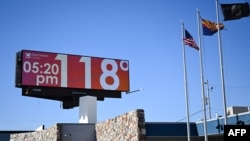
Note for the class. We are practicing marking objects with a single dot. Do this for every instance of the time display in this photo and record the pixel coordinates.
(74, 71)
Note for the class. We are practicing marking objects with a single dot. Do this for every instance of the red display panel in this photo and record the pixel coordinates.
(73, 71)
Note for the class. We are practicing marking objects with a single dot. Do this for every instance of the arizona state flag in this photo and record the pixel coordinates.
(235, 11)
(210, 28)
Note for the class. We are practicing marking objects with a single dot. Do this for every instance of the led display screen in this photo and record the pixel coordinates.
(45, 69)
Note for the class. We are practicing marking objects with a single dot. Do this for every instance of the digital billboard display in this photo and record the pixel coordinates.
(45, 69)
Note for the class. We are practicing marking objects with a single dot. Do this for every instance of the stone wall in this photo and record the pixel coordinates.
(50, 134)
(126, 127)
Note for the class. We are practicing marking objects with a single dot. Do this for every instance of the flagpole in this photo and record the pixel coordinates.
(221, 65)
(202, 78)
(185, 82)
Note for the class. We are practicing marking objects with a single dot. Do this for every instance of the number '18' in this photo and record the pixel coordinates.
(104, 76)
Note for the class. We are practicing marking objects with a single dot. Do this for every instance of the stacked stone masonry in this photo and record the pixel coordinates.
(127, 127)
(51, 134)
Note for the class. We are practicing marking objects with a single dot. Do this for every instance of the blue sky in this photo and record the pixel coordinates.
(145, 32)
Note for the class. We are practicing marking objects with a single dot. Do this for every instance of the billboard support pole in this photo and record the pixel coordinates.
(87, 109)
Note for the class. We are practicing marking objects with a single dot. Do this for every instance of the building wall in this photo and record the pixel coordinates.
(182, 138)
(215, 126)
(51, 134)
(77, 132)
(170, 129)
(5, 135)
(129, 126)
(236, 110)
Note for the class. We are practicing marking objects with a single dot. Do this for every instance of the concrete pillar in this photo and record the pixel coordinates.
(87, 109)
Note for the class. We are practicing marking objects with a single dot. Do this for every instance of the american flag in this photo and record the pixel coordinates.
(188, 40)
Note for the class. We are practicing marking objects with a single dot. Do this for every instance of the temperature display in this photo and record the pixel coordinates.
(73, 71)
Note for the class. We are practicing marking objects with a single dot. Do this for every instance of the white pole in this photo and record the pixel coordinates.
(202, 79)
(185, 82)
(221, 65)
(208, 99)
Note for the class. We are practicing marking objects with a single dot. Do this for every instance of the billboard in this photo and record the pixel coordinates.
(66, 77)
(45, 69)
